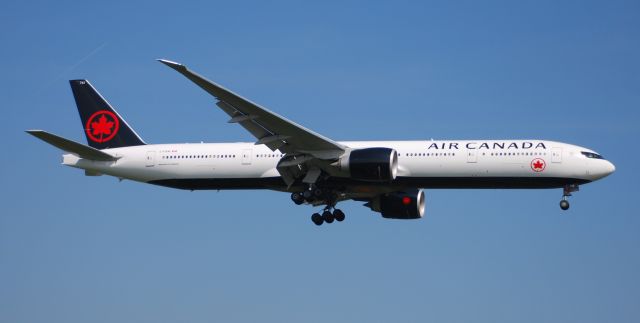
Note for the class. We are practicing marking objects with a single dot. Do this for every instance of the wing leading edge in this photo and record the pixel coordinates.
(269, 128)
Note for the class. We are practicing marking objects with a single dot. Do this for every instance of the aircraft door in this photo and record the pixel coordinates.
(150, 159)
(556, 155)
(246, 156)
(472, 157)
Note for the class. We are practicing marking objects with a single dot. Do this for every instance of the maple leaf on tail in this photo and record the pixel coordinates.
(102, 127)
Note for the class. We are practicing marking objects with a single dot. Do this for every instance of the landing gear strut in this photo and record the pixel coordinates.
(316, 195)
(566, 192)
(309, 195)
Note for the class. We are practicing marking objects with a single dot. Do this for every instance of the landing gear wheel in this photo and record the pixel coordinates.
(317, 219)
(564, 205)
(338, 215)
(566, 192)
(327, 216)
(297, 198)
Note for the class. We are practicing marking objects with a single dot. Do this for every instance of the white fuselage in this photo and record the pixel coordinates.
(422, 164)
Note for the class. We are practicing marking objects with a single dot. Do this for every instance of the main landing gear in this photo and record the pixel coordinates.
(328, 216)
(315, 194)
(297, 198)
(566, 192)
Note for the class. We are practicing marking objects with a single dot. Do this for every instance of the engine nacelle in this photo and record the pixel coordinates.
(370, 164)
(399, 205)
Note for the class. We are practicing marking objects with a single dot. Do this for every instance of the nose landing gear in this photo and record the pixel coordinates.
(566, 192)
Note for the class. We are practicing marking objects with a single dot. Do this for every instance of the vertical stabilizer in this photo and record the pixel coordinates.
(103, 126)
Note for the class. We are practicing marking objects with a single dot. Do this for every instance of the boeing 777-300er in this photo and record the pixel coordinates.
(387, 175)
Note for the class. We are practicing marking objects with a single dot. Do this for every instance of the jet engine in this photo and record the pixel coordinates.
(370, 164)
(399, 205)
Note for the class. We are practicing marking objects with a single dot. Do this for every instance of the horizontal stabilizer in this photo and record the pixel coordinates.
(72, 146)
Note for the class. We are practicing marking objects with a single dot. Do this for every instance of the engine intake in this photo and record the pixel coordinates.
(371, 164)
(399, 205)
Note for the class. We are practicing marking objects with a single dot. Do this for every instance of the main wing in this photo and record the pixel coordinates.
(269, 128)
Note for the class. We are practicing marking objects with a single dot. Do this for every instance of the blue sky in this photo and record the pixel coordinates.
(78, 249)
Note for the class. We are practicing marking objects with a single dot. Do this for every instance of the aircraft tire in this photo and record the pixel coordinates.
(338, 215)
(317, 219)
(297, 198)
(327, 217)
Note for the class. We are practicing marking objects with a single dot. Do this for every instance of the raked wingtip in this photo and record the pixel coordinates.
(169, 63)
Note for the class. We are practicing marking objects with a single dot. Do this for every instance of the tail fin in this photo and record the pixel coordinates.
(103, 126)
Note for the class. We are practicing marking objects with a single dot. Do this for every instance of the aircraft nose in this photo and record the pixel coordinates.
(610, 167)
(600, 168)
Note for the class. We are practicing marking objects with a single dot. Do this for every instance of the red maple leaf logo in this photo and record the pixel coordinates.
(538, 165)
(102, 126)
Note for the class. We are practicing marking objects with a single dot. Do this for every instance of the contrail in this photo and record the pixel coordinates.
(82, 60)
(74, 66)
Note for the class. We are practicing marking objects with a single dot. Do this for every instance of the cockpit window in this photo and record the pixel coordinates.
(591, 155)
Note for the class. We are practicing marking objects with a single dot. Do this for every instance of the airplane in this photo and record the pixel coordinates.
(388, 176)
